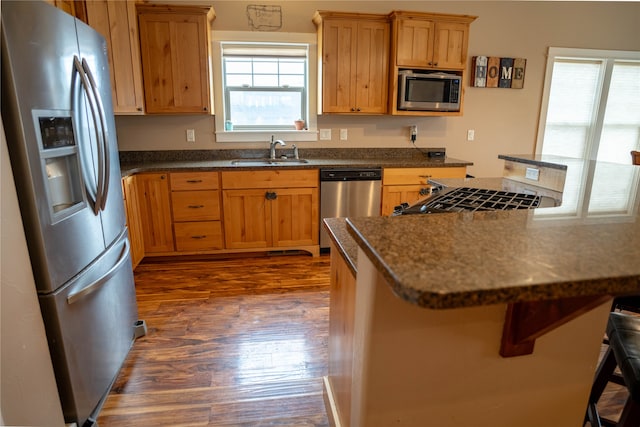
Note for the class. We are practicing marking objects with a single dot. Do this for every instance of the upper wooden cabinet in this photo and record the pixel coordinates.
(428, 40)
(116, 20)
(354, 62)
(72, 7)
(174, 41)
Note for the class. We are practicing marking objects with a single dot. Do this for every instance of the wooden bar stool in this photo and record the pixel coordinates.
(623, 331)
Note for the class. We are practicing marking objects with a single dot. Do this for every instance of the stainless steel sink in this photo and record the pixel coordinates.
(268, 162)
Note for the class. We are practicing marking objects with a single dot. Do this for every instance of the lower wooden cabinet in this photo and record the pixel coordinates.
(195, 204)
(408, 185)
(155, 211)
(134, 219)
(270, 209)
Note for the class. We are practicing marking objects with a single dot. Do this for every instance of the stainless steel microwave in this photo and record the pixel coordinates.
(428, 91)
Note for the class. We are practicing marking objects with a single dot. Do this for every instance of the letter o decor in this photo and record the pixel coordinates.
(492, 71)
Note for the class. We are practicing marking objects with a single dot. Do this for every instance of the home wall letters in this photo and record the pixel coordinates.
(492, 71)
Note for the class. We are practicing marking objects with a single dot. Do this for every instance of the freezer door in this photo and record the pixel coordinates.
(39, 44)
(90, 328)
(93, 52)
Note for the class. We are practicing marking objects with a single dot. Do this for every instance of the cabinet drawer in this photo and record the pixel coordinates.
(181, 181)
(412, 176)
(195, 205)
(270, 179)
(198, 236)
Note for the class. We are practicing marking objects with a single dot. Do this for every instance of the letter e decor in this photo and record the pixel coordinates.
(492, 71)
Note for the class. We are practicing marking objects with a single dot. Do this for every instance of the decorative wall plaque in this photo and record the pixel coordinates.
(492, 71)
(264, 18)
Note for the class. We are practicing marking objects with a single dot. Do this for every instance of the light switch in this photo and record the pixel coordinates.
(343, 134)
(191, 135)
(532, 174)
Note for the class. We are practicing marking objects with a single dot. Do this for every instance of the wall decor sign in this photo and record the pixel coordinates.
(492, 71)
(264, 18)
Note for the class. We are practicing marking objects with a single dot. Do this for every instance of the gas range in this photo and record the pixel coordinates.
(463, 199)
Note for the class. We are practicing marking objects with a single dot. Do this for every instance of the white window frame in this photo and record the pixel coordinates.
(609, 56)
(311, 133)
(582, 172)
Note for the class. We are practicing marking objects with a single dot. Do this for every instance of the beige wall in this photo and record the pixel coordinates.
(505, 120)
(28, 393)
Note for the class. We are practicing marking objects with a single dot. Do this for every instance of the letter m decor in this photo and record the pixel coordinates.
(492, 71)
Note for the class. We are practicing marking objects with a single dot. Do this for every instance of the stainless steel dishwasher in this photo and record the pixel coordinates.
(348, 192)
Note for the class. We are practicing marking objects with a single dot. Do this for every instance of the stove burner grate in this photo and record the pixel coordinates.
(478, 199)
(474, 199)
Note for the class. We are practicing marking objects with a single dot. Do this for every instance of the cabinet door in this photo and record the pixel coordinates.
(295, 217)
(355, 66)
(175, 61)
(247, 222)
(372, 68)
(450, 45)
(155, 211)
(117, 22)
(394, 195)
(338, 62)
(414, 43)
(134, 221)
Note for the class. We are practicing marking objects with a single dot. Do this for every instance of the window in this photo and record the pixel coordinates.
(263, 88)
(591, 111)
(591, 105)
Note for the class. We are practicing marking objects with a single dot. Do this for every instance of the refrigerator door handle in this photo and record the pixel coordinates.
(85, 85)
(106, 159)
(94, 286)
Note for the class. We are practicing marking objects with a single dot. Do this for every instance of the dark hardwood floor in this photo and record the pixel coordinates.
(233, 342)
(230, 342)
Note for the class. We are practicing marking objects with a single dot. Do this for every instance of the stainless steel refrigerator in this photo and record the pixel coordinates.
(60, 129)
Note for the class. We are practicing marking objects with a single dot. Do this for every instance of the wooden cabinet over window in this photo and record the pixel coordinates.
(174, 42)
(354, 62)
(117, 21)
(72, 7)
(408, 185)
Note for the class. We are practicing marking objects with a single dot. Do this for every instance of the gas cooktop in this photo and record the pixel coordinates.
(471, 199)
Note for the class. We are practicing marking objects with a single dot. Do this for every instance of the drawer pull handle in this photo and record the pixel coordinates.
(199, 237)
(424, 191)
(425, 176)
(194, 181)
(196, 206)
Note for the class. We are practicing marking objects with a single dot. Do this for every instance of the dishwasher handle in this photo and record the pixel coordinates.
(351, 174)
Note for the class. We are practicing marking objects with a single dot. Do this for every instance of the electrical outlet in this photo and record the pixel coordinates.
(325, 134)
(343, 134)
(191, 135)
(471, 134)
(532, 174)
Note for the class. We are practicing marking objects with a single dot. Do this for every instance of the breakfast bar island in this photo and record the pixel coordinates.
(485, 318)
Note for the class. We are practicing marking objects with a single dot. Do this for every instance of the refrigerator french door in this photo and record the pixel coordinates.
(58, 118)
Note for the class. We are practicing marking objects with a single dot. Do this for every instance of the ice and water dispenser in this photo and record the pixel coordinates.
(59, 153)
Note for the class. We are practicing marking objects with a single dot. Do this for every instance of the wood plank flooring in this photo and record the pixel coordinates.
(235, 342)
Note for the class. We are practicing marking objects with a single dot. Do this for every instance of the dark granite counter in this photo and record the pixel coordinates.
(590, 245)
(152, 161)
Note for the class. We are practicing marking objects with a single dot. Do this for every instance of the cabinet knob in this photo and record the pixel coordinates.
(270, 195)
(424, 191)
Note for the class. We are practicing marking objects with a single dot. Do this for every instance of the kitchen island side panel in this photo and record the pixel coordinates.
(414, 365)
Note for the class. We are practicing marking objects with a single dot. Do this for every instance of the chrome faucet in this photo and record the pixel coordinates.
(272, 147)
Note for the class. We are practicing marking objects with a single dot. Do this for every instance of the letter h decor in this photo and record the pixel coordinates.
(491, 71)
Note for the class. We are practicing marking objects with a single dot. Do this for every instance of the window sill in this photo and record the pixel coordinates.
(254, 136)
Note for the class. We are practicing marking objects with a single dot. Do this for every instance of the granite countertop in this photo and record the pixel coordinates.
(346, 246)
(152, 161)
(589, 245)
